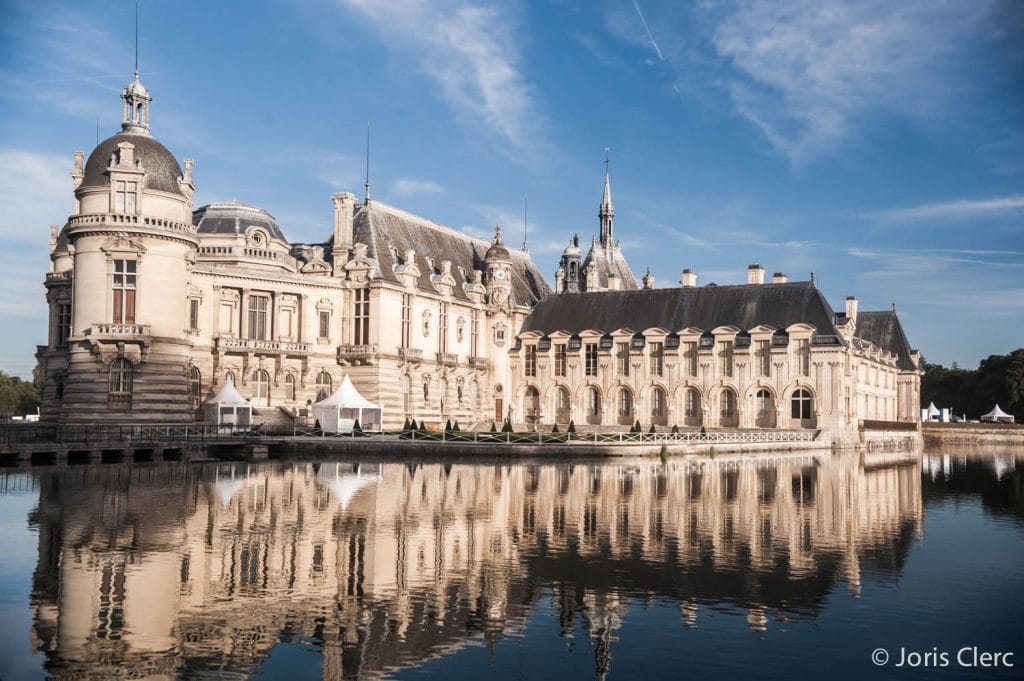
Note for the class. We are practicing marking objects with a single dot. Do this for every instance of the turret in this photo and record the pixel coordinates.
(498, 272)
(569, 266)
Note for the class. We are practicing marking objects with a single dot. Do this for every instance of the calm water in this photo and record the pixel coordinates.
(789, 567)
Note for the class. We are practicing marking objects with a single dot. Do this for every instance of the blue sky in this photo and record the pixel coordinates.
(877, 144)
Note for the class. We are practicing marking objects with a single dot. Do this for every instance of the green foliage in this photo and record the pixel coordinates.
(572, 427)
(555, 429)
(405, 424)
(494, 427)
(652, 431)
(703, 430)
(413, 426)
(356, 428)
(636, 427)
(455, 426)
(448, 426)
(675, 429)
(507, 427)
(18, 397)
(999, 379)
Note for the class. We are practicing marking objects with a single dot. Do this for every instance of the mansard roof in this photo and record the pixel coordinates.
(608, 260)
(390, 232)
(232, 217)
(742, 306)
(884, 330)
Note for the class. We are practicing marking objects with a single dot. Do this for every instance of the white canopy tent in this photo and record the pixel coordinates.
(997, 415)
(228, 410)
(338, 412)
(344, 482)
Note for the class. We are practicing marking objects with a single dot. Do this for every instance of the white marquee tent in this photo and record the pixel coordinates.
(338, 412)
(228, 410)
(997, 415)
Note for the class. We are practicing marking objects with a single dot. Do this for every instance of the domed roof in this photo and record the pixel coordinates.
(497, 251)
(162, 169)
(232, 217)
(136, 88)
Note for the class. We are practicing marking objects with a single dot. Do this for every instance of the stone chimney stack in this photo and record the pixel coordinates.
(851, 308)
(344, 205)
(689, 278)
(779, 278)
(755, 274)
(648, 279)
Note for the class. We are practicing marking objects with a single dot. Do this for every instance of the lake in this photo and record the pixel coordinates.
(906, 566)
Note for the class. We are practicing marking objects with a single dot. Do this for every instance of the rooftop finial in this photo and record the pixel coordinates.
(526, 206)
(366, 197)
(136, 40)
(497, 234)
(136, 96)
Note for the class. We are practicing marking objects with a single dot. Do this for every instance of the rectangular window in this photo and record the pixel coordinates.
(763, 357)
(590, 359)
(622, 358)
(258, 306)
(193, 314)
(325, 324)
(63, 324)
(284, 322)
(474, 333)
(125, 197)
(442, 336)
(690, 358)
(530, 362)
(803, 356)
(361, 318)
(560, 360)
(125, 273)
(406, 319)
(657, 359)
(725, 359)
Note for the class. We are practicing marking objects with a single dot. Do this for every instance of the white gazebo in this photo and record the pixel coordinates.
(228, 410)
(997, 415)
(338, 412)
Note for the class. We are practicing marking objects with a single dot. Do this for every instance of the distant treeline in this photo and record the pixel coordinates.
(17, 397)
(999, 379)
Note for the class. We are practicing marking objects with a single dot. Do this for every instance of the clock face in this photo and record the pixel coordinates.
(499, 275)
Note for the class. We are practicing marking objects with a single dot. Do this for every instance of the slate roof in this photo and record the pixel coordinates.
(744, 306)
(162, 169)
(389, 232)
(884, 330)
(609, 260)
(232, 217)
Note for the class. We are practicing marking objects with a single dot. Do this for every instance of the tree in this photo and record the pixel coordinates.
(17, 397)
(507, 427)
(555, 429)
(572, 427)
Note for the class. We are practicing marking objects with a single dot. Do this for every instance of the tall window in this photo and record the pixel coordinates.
(193, 314)
(692, 405)
(289, 387)
(120, 387)
(560, 360)
(126, 196)
(657, 359)
(622, 358)
(690, 358)
(258, 306)
(261, 384)
(530, 360)
(195, 387)
(442, 336)
(593, 402)
(590, 357)
(406, 319)
(765, 404)
(725, 359)
(63, 324)
(802, 404)
(561, 404)
(361, 319)
(803, 357)
(763, 357)
(657, 403)
(625, 403)
(474, 333)
(325, 324)
(323, 385)
(125, 273)
(727, 404)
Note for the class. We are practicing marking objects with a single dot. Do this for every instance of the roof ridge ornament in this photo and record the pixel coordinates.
(135, 95)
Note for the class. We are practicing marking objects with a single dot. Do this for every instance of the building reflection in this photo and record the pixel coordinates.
(171, 571)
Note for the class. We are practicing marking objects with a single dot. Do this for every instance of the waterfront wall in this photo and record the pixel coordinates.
(972, 434)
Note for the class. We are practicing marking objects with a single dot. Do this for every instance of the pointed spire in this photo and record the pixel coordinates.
(497, 234)
(607, 212)
(606, 200)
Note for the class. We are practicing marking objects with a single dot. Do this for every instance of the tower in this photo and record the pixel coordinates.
(569, 267)
(607, 211)
(498, 273)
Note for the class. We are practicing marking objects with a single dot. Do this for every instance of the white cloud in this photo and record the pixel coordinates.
(470, 50)
(960, 209)
(35, 191)
(807, 73)
(409, 186)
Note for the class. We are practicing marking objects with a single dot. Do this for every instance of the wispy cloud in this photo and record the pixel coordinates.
(409, 186)
(35, 191)
(470, 50)
(647, 30)
(960, 209)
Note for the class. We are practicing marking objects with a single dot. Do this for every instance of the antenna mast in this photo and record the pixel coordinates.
(136, 40)
(526, 205)
(366, 198)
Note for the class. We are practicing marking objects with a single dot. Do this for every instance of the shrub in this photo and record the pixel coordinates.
(413, 426)
(555, 429)
(448, 426)
(455, 426)
(572, 427)
(675, 430)
(494, 427)
(652, 431)
(507, 427)
(356, 428)
(405, 425)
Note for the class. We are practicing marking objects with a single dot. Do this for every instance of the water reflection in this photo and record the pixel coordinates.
(996, 475)
(172, 570)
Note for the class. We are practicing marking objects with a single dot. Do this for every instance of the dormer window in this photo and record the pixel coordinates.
(126, 197)
(258, 239)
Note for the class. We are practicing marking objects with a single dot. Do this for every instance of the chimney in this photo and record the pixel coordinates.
(755, 274)
(648, 279)
(689, 278)
(851, 308)
(779, 278)
(344, 205)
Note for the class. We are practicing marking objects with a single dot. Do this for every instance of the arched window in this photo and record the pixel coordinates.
(802, 404)
(289, 387)
(562, 404)
(765, 408)
(120, 387)
(593, 402)
(261, 384)
(323, 385)
(625, 406)
(531, 402)
(727, 405)
(657, 402)
(692, 403)
(195, 386)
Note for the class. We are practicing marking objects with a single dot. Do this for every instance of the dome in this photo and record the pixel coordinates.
(232, 217)
(136, 88)
(162, 169)
(497, 251)
(571, 249)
